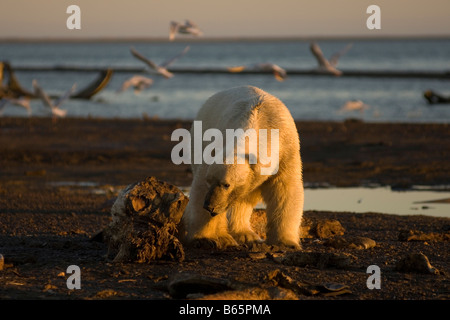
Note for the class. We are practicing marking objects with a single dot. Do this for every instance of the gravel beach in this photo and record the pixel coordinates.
(58, 181)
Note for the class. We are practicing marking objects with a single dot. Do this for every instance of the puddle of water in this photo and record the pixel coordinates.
(419, 200)
(382, 200)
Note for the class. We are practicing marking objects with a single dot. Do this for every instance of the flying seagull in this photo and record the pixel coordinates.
(160, 69)
(53, 105)
(278, 72)
(354, 105)
(328, 66)
(187, 28)
(21, 102)
(139, 83)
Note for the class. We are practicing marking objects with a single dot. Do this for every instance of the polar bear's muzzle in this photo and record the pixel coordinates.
(211, 202)
(210, 209)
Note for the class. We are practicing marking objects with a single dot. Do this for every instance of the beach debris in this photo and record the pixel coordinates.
(359, 243)
(188, 28)
(250, 293)
(327, 66)
(49, 288)
(194, 286)
(145, 218)
(321, 260)
(416, 235)
(278, 278)
(54, 106)
(14, 91)
(278, 72)
(107, 293)
(162, 68)
(11, 89)
(326, 228)
(185, 283)
(416, 262)
(139, 83)
(435, 98)
(96, 86)
(257, 255)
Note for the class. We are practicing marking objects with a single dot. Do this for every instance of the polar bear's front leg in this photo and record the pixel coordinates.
(201, 227)
(239, 223)
(284, 211)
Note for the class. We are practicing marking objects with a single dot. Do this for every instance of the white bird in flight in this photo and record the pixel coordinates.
(21, 102)
(139, 83)
(53, 105)
(278, 72)
(162, 68)
(328, 66)
(187, 28)
(354, 105)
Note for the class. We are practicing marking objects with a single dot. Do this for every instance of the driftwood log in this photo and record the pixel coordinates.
(145, 218)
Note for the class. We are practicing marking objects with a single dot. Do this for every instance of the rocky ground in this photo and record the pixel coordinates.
(59, 180)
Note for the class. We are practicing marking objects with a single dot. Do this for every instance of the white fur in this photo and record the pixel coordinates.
(247, 107)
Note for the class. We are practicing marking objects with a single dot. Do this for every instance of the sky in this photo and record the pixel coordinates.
(36, 19)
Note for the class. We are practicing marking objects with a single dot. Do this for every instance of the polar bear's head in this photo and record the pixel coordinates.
(226, 183)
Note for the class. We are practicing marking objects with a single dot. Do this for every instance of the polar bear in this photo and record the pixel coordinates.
(223, 194)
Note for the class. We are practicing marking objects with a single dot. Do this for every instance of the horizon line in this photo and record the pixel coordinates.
(222, 39)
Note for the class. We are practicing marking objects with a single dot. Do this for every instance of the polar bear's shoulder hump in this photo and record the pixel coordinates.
(241, 97)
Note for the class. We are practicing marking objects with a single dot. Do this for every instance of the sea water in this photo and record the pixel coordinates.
(307, 97)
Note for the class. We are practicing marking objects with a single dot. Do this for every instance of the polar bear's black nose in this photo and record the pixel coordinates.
(209, 208)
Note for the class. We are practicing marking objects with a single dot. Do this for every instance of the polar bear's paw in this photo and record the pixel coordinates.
(214, 243)
(247, 236)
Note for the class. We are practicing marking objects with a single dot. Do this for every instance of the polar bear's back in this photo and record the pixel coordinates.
(237, 107)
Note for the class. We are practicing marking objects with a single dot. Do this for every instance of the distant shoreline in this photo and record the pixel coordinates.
(222, 39)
